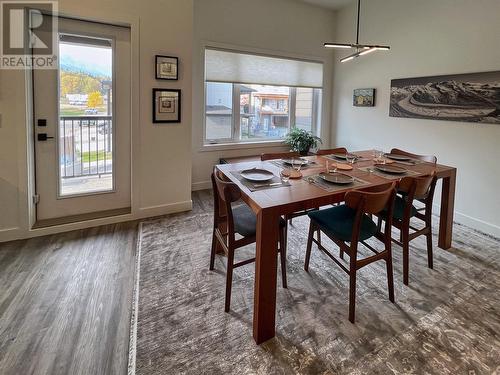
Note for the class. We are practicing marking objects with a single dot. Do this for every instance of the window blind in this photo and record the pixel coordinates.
(227, 66)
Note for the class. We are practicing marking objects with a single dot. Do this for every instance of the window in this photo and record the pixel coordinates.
(267, 109)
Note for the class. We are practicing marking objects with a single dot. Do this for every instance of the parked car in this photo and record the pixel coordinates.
(91, 111)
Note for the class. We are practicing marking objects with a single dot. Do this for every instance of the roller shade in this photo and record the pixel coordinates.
(227, 66)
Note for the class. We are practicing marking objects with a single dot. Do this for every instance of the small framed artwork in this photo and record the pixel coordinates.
(167, 67)
(166, 106)
(363, 98)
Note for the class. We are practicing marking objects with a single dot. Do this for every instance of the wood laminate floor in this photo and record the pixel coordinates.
(66, 300)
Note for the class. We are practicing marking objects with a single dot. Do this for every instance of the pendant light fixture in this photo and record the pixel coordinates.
(361, 49)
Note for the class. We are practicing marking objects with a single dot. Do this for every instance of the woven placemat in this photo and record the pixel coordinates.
(257, 186)
(330, 187)
(390, 176)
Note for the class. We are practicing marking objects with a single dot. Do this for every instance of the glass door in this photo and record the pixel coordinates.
(82, 122)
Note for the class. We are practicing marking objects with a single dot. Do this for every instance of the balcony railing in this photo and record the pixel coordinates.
(85, 146)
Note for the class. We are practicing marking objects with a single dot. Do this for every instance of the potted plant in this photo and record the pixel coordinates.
(301, 140)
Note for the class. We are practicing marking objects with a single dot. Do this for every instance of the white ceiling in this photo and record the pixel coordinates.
(331, 4)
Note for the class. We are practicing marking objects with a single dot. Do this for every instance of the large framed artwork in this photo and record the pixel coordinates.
(166, 106)
(473, 97)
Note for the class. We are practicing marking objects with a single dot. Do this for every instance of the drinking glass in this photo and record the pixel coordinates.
(351, 158)
(285, 175)
(331, 168)
(297, 164)
(379, 157)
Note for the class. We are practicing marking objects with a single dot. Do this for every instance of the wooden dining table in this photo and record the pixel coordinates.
(270, 204)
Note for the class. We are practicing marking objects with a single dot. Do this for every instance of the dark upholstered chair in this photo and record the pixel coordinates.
(351, 223)
(231, 219)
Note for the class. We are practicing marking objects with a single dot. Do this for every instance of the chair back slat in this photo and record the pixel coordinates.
(428, 158)
(279, 155)
(371, 200)
(417, 187)
(339, 150)
(228, 191)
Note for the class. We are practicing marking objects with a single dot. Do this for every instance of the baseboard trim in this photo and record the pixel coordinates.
(480, 225)
(202, 185)
(10, 234)
(164, 209)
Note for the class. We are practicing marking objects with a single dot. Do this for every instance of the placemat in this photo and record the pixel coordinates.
(254, 186)
(390, 176)
(343, 161)
(408, 162)
(329, 187)
(282, 164)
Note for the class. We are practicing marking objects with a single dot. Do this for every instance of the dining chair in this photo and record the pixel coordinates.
(351, 223)
(427, 158)
(236, 219)
(410, 189)
(279, 155)
(339, 150)
(287, 155)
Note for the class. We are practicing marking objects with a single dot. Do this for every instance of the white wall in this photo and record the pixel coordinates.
(427, 37)
(161, 154)
(287, 27)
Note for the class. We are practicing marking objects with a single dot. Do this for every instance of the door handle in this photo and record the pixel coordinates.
(43, 137)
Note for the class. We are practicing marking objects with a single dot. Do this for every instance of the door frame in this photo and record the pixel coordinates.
(28, 169)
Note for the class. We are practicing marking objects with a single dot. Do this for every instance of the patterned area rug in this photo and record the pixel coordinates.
(446, 322)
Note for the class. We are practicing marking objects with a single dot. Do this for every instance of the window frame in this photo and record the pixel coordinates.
(236, 117)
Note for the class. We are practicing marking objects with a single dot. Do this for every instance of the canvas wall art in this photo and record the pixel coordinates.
(471, 97)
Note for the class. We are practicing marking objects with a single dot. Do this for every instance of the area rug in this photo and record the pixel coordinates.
(446, 322)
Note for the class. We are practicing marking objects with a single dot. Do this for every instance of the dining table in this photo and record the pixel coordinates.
(269, 205)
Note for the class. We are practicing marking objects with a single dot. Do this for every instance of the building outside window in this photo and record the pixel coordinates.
(266, 111)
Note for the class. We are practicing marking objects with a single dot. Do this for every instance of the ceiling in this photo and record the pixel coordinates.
(330, 4)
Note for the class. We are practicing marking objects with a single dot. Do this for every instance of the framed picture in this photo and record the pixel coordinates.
(167, 67)
(469, 97)
(363, 98)
(166, 105)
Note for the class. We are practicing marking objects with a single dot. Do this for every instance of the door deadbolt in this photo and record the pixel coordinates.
(43, 137)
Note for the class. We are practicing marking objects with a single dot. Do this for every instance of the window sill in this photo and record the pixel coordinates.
(240, 145)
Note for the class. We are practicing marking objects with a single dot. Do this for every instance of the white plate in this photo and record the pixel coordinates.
(257, 175)
(297, 161)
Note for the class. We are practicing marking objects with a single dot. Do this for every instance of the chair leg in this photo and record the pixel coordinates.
(390, 276)
(229, 279)
(318, 234)
(283, 256)
(379, 224)
(430, 261)
(309, 246)
(212, 251)
(406, 255)
(352, 295)
(286, 232)
(291, 222)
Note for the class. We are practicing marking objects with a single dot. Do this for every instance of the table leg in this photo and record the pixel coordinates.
(264, 310)
(447, 208)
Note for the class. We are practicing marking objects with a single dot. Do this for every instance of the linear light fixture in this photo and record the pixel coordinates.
(361, 49)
